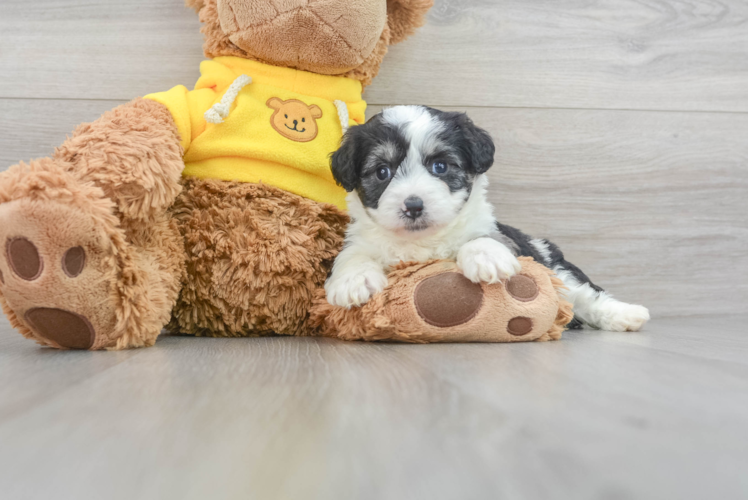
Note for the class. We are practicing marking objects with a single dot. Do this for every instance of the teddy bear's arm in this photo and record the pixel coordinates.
(132, 153)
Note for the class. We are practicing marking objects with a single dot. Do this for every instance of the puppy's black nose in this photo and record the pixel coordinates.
(295, 122)
(413, 207)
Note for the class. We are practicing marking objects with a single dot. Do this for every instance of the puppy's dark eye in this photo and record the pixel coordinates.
(384, 173)
(439, 168)
(286, 116)
(303, 119)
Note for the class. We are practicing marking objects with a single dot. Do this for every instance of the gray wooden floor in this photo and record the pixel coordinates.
(598, 415)
(622, 133)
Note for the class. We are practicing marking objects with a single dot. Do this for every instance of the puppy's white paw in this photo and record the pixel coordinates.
(487, 260)
(622, 317)
(354, 289)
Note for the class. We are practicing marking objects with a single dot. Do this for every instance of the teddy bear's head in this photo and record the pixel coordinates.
(330, 37)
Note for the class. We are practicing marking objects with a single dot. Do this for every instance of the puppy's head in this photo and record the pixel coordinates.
(413, 167)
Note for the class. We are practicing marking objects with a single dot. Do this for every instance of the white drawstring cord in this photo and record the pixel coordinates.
(342, 114)
(219, 111)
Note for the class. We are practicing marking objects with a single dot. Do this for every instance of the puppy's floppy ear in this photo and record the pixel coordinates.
(478, 145)
(346, 161)
(405, 16)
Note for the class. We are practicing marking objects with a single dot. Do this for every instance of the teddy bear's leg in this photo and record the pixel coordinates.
(435, 302)
(89, 255)
(256, 257)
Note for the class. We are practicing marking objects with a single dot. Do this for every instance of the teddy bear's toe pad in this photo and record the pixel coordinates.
(519, 326)
(522, 288)
(74, 261)
(448, 299)
(65, 328)
(23, 258)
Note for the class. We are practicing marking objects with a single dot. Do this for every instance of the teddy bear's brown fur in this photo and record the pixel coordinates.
(206, 257)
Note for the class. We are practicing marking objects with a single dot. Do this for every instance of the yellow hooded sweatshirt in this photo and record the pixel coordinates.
(278, 127)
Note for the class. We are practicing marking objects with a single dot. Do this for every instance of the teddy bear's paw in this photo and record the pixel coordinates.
(354, 289)
(486, 260)
(57, 272)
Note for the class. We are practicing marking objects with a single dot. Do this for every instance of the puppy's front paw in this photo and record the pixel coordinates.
(354, 289)
(487, 260)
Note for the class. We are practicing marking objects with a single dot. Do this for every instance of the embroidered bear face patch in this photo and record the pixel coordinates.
(294, 120)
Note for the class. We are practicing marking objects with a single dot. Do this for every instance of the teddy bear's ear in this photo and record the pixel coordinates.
(316, 111)
(195, 4)
(405, 16)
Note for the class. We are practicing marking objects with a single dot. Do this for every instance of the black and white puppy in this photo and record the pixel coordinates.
(416, 186)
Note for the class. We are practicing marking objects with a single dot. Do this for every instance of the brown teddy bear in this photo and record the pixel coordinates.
(209, 211)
